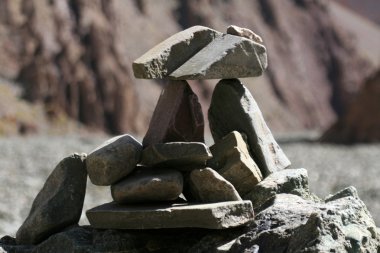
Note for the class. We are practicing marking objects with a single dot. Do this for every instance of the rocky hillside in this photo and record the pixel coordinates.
(75, 57)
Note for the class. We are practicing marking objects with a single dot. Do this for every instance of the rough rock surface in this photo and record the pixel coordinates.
(242, 114)
(220, 215)
(178, 116)
(58, 204)
(178, 155)
(292, 181)
(225, 57)
(167, 56)
(207, 186)
(113, 160)
(147, 185)
(244, 32)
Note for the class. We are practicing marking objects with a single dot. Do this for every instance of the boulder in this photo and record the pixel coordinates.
(234, 109)
(167, 56)
(59, 203)
(244, 32)
(113, 160)
(178, 155)
(227, 56)
(292, 181)
(220, 215)
(147, 185)
(232, 160)
(207, 186)
(177, 117)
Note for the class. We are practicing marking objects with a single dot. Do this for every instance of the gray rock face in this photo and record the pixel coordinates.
(177, 117)
(292, 181)
(178, 155)
(234, 109)
(147, 185)
(113, 160)
(167, 56)
(59, 204)
(244, 32)
(207, 186)
(213, 216)
(225, 57)
(232, 160)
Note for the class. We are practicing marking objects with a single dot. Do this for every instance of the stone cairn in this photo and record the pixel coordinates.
(172, 179)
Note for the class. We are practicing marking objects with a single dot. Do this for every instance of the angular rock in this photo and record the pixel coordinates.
(178, 155)
(177, 117)
(212, 216)
(59, 204)
(225, 57)
(232, 160)
(113, 160)
(233, 108)
(147, 185)
(207, 186)
(244, 32)
(167, 56)
(292, 181)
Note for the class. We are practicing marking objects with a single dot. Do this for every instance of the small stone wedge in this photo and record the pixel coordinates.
(59, 203)
(234, 109)
(220, 215)
(146, 185)
(225, 57)
(177, 117)
(113, 160)
(167, 56)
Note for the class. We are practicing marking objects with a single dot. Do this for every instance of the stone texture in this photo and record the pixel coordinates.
(212, 216)
(233, 108)
(167, 56)
(225, 57)
(232, 160)
(177, 117)
(244, 32)
(146, 185)
(207, 186)
(178, 155)
(58, 204)
(113, 160)
(292, 181)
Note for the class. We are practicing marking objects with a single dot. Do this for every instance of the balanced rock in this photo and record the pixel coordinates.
(233, 108)
(232, 160)
(227, 56)
(212, 216)
(59, 204)
(207, 186)
(177, 117)
(147, 185)
(291, 181)
(167, 56)
(178, 155)
(113, 160)
(244, 32)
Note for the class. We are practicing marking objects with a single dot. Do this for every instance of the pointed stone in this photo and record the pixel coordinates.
(167, 56)
(146, 185)
(59, 204)
(225, 57)
(207, 186)
(212, 216)
(177, 117)
(234, 109)
(178, 155)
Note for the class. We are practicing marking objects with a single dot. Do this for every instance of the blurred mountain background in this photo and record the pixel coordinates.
(69, 61)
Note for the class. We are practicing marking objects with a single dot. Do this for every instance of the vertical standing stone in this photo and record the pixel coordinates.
(234, 109)
(177, 117)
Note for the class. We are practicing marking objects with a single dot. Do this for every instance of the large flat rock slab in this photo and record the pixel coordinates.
(212, 216)
(177, 117)
(226, 57)
(167, 56)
